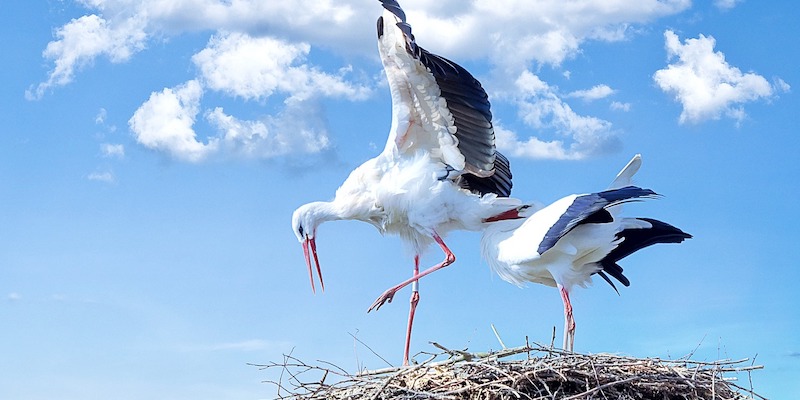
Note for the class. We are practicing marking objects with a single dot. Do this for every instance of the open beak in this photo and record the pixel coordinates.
(310, 246)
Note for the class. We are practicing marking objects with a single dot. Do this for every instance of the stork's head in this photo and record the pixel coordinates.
(304, 222)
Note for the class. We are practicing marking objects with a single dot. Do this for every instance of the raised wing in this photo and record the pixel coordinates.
(437, 105)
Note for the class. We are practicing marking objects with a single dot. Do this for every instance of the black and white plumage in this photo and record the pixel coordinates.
(565, 243)
(439, 170)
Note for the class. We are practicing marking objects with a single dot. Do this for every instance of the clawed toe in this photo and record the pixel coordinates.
(387, 296)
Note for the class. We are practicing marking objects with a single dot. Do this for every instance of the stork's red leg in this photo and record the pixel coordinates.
(388, 295)
(569, 321)
(412, 309)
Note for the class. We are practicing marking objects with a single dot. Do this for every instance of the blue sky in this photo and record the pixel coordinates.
(153, 152)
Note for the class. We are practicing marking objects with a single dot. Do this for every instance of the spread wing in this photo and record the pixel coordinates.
(437, 105)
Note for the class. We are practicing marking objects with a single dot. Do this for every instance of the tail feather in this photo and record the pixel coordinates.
(608, 280)
(635, 239)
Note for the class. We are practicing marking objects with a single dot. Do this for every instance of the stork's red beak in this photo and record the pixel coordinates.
(309, 242)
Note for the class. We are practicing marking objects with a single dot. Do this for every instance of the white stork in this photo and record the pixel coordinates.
(439, 170)
(570, 240)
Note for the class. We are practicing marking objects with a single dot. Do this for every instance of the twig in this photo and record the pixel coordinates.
(497, 335)
(544, 373)
(370, 349)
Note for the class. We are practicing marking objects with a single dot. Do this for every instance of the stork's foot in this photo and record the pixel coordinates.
(387, 296)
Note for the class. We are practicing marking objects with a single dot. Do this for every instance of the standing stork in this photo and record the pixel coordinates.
(439, 171)
(570, 240)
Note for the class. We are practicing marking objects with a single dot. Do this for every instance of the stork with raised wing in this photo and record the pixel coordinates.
(439, 171)
(565, 243)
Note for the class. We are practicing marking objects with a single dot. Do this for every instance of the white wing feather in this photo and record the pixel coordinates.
(625, 176)
(420, 118)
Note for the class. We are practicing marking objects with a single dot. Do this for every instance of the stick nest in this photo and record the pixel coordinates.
(534, 372)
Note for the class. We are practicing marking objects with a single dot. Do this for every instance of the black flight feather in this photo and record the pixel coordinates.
(583, 209)
(499, 183)
(635, 239)
(464, 95)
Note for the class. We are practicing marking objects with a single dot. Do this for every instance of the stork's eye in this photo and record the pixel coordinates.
(300, 229)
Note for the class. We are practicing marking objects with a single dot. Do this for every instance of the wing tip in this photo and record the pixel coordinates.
(394, 7)
(625, 175)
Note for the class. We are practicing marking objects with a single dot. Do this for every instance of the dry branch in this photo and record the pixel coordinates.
(545, 373)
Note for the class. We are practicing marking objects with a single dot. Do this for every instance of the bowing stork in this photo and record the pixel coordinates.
(565, 243)
(439, 170)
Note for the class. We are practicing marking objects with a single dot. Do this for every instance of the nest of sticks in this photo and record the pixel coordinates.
(526, 372)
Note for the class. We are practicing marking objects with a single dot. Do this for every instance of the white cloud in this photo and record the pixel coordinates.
(166, 122)
(296, 130)
(13, 296)
(726, 4)
(251, 68)
(102, 176)
(532, 147)
(619, 106)
(541, 108)
(255, 68)
(101, 116)
(781, 85)
(704, 83)
(83, 39)
(240, 61)
(304, 18)
(109, 150)
(517, 31)
(513, 33)
(595, 93)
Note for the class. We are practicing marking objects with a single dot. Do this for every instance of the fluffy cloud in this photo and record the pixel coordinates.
(251, 68)
(165, 123)
(619, 106)
(295, 130)
(595, 93)
(81, 40)
(240, 61)
(541, 108)
(102, 176)
(513, 33)
(255, 68)
(109, 150)
(726, 4)
(704, 83)
(304, 17)
(509, 143)
(782, 86)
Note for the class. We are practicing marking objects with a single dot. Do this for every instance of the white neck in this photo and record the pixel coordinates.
(323, 211)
